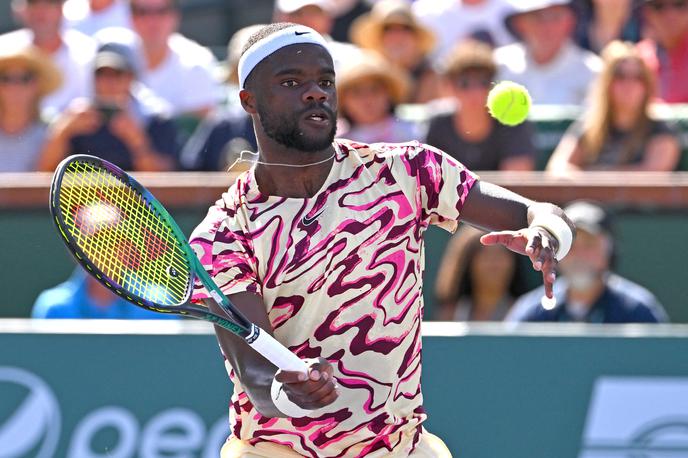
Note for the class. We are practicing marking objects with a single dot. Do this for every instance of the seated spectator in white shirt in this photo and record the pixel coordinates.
(72, 52)
(455, 20)
(177, 69)
(91, 16)
(546, 60)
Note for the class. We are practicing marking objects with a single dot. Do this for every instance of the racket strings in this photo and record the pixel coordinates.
(122, 235)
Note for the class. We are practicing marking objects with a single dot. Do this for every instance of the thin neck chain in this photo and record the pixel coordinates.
(277, 164)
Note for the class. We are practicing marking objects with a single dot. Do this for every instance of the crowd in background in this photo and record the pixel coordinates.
(116, 78)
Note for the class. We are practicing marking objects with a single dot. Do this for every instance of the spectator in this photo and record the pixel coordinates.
(122, 124)
(72, 52)
(221, 136)
(345, 13)
(319, 16)
(545, 59)
(81, 296)
(588, 290)
(453, 21)
(667, 50)
(476, 282)
(603, 21)
(619, 132)
(392, 30)
(91, 16)
(26, 76)
(176, 68)
(369, 90)
(469, 133)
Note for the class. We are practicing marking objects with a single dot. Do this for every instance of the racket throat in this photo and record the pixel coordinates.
(253, 334)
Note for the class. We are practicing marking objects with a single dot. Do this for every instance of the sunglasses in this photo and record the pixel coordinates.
(398, 28)
(142, 11)
(17, 78)
(49, 2)
(628, 76)
(662, 6)
(464, 82)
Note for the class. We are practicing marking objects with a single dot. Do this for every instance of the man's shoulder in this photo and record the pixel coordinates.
(16, 38)
(512, 56)
(383, 150)
(190, 52)
(629, 291)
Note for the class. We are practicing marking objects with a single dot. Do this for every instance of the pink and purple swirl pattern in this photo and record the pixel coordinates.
(341, 276)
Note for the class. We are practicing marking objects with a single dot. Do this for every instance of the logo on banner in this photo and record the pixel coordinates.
(29, 415)
(637, 417)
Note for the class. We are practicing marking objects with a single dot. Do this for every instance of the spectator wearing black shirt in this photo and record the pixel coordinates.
(469, 133)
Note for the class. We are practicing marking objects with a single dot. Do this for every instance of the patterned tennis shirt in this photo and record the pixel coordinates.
(341, 276)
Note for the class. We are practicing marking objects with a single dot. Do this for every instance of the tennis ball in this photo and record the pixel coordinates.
(509, 103)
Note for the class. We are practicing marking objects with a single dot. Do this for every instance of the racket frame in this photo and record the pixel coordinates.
(235, 321)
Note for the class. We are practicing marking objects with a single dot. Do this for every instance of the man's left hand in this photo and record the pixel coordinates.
(536, 243)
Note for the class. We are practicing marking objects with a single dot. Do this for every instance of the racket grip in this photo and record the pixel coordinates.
(277, 353)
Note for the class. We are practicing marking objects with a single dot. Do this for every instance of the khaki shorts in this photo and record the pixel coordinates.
(430, 446)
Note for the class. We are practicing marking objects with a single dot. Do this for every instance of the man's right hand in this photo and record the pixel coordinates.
(313, 390)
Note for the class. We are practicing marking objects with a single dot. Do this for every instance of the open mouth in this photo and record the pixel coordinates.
(318, 117)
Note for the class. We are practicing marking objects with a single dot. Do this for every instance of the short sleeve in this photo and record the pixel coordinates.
(433, 181)
(225, 252)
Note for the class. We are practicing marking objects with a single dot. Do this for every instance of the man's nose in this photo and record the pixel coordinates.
(315, 92)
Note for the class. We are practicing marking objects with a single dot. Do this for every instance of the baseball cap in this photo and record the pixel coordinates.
(589, 217)
(117, 48)
(289, 6)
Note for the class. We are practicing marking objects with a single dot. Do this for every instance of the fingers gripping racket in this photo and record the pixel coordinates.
(125, 238)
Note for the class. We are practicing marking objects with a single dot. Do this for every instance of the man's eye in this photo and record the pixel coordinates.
(327, 83)
(289, 83)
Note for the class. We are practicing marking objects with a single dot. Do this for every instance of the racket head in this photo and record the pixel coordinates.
(121, 234)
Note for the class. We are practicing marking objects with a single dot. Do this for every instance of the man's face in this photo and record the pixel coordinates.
(545, 31)
(296, 98)
(42, 17)
(113, 85)
(588, 259)
(668, 20)
(154, 21)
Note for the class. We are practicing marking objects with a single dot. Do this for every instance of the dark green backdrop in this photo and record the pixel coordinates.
(652, 248)
(489, 394)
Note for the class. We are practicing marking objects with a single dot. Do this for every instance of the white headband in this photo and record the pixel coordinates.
(263, 48)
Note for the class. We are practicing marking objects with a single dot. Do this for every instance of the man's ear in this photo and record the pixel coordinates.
(248, 101)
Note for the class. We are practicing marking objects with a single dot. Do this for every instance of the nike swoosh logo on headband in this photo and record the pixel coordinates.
(301, 33)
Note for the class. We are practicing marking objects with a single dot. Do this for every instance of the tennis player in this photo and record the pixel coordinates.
(321, 243)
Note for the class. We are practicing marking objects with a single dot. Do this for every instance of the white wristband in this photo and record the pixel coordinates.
(561, 231)
(284, 404)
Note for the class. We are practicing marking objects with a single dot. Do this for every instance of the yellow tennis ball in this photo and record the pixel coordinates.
(509, 103)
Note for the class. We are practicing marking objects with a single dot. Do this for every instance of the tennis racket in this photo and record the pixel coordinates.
(126, 239)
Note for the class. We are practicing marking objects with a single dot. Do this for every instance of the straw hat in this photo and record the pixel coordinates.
(370, 64)
(48, 75)
(366, 30)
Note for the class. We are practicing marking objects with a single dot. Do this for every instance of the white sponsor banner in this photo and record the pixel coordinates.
(637, 417)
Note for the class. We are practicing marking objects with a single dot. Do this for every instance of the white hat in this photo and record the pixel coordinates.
(519, 7)
(289, 6)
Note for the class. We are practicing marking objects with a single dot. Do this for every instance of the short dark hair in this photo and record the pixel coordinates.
(259, 35)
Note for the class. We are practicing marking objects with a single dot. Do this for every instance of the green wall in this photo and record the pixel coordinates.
(502, 393)
(652, 248)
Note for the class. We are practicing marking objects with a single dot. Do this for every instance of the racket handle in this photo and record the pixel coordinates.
(277, 353)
